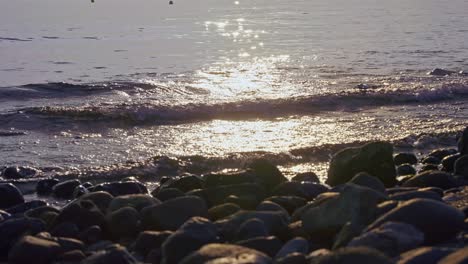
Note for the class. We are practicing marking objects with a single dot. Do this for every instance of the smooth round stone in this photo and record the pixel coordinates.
(123, 222)
(167, 194)
(307, 177)
(458, 257)
(226, 254)
(406, 169)
(461, 166)
(295, 245)
(251, 228)
(222, 210)
(10, 196)
(405, 157)
(31, 249)
(148, 240)
(448, 163)
(44, 187)
(64, 190)
(269, 245)
(424, 255)
(425, 215)
(438, 179)
(430, 160)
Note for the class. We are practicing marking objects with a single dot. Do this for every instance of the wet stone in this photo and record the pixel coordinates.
(10, 196)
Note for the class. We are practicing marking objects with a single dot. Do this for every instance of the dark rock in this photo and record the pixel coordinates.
(374, 158)
(83, 213)
(405, 196)
(71, 256)
(154, 256)
(191, 236)
(38, 212)
(121, 188)
(442, 153)
(184, 183)
(101, 199)
(406, 169)
(149, 240)
(267, 245)
(431, 160)
(352, 255)
(11, 173)
(276, 223)
(366, 180)
(67, 244)
(101, 245)
(65, 229)
(64, 190)
(405, 158)
(322, 198)
(222, 210)
(307, 177)
(31, 249)
(440, 72)
(12, 229)
(429, 167)
(355, 203)
(123, 222)
(91, 234)
(395, 190)
(383, 208)
(266, 173)
(461, 167)
(293, 258)
(295, 245)
(306, 190)
(295, 230)
(171, 214)
(136, 201)
(245, 201)
(392, 238)
(424, 255)
(229, 178)
(15, 172)
(349, 231)
(438, 179)
(116, 255)
(251, 228)
(226, 254)
(458, 257)
(271, 206)
(290, 203)
(448, 163)
(22, 208)
(426, 214)
(217, 195)
(79, 191)
(164, 179)
(463, 142)
(10, 196)
(167, 194)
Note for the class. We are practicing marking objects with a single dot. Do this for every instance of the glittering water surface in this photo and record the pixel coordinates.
(86, 84)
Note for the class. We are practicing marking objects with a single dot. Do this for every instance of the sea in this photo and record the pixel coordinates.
(95, 86)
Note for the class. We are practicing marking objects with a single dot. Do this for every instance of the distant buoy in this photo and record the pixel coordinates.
(171, 2)
(92, 1)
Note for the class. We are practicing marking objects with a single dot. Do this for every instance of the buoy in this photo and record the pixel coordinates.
(171, 2)
(92, 1)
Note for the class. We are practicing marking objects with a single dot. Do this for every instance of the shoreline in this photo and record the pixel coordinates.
(365, 211)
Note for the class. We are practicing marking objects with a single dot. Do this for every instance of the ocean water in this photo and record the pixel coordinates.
(89, 85)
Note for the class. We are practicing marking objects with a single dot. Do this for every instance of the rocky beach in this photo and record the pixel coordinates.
(233, 132)
(375, 206)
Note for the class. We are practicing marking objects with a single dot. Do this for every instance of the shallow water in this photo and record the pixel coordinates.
(85, 84)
